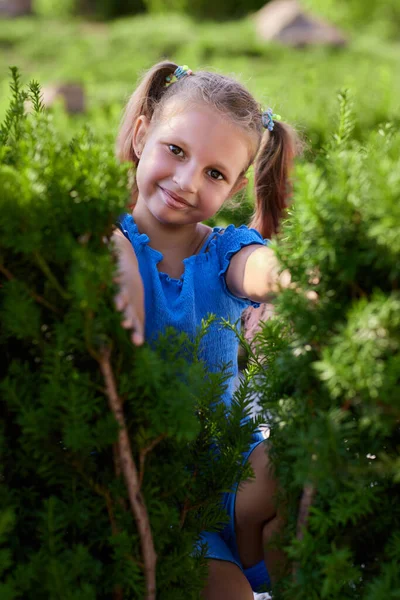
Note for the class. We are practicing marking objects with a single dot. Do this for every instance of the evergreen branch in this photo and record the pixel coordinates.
(346, 119)
(16, 112)
(187, 508)
(33, 294)
(101, 491)
(118, 592)
(36, 96)
(251, 354)
(44, 267)
(86, 334)
(53, 565)
(145, 451)
(130, 473)
(307, 499)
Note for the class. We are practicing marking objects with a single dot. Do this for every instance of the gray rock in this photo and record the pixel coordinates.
(286, 22)
(15, 8)
(73, 95)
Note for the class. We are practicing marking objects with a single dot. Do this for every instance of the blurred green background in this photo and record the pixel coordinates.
(105, 45)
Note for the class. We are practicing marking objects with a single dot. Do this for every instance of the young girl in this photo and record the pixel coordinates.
(192, 137)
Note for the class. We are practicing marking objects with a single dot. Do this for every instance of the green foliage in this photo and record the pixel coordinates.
(54, 8)
(166, 6)
(109, 9)
(227, 10)
(330, 388)
(66, 529)
(375, 15)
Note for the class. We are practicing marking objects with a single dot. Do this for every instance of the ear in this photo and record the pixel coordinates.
(239, 185)
(139, 133)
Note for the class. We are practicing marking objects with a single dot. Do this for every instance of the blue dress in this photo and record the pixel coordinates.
(183, 303)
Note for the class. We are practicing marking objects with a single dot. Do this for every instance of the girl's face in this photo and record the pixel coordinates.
(191, 161)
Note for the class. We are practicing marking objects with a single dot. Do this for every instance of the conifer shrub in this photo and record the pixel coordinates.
(331, 385)
(105, 447)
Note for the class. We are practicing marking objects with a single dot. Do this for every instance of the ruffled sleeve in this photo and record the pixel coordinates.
(129, 228)
(229, 241)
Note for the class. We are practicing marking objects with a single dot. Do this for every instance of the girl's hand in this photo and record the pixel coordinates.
(130, 298)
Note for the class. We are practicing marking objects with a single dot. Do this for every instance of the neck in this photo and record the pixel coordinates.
(164, 237)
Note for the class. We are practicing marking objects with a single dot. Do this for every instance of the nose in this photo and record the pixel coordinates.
(187, 178)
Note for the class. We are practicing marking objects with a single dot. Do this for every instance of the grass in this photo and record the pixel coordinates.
(107, 58)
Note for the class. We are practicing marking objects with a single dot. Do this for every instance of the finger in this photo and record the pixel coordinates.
(138, 329)
(132, 321)
(311, 295)
(137, 338)
(128, 323)
(119, 302)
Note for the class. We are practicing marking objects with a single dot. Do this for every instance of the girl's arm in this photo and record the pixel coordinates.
(254, 273)
(130, 297)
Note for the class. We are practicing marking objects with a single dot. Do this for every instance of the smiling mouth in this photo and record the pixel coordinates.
(174, 201)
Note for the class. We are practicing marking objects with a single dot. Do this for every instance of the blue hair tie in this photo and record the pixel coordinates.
(182, 71)
(268, 119)
(178, 74)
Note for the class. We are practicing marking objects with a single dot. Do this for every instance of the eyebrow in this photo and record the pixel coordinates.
(219, 167)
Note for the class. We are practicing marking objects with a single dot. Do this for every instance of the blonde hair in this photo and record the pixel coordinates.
(273, 151)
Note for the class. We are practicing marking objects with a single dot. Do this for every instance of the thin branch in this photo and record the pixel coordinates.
(42, 264)
(131, 477)
(86, 335)
(100, 490)
(118, 473)
(188, 508)
(307, 499)
(118, 593)
(144, 452)
(6, 272)
(117, 462)
(357, 290)
(33, 294)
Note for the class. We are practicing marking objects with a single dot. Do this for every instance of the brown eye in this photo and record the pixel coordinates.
(214, 174)
(175, 150)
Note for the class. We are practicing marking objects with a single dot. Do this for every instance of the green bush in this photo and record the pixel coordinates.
(331, 386)
(353, 14)
(206, 9)
(66, 523)
(109, 9)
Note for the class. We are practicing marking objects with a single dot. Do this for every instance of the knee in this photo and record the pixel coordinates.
(255, 501)
(226, 581)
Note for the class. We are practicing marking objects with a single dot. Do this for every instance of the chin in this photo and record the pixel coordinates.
(168, 219)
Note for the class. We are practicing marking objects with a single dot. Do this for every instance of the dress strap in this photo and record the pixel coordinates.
(204, 247)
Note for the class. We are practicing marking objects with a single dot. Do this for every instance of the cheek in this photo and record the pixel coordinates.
(140, 176)
(213, 203)
(154, 165)
(148, 170)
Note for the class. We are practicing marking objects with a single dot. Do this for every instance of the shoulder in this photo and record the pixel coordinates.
(126, 224)
(231, 239)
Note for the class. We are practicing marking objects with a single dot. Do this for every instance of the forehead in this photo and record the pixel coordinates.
(207, 132)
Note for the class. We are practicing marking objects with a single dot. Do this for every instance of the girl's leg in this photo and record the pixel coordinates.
(226, 582)
(256, 518)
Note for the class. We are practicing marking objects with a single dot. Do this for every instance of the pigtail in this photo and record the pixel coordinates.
(272, 185)
(142, 102)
